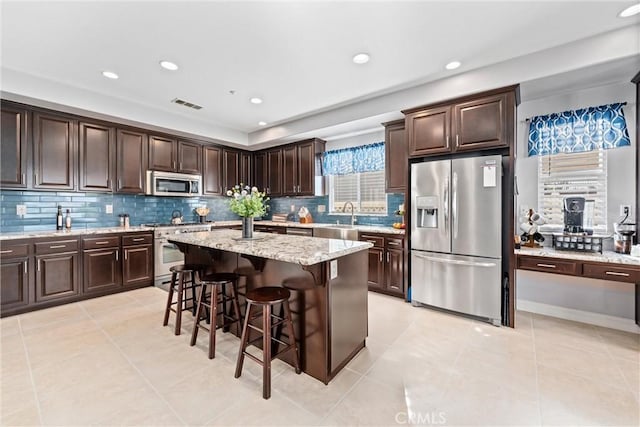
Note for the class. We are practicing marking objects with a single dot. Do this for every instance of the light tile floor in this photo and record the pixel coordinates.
(108, 361)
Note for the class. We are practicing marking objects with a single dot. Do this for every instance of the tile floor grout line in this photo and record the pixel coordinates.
(133, 365)
(613, 359)
(33, 383)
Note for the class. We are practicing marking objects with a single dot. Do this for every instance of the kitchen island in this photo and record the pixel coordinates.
(327, 279)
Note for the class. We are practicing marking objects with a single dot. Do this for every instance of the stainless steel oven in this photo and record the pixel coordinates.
(167, 254)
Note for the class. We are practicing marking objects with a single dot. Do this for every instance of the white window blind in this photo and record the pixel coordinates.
(573, 174)
(365, 190)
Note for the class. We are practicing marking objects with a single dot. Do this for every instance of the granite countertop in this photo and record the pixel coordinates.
(301, 250)
(369, 228)
(607, 256)
(72, 232)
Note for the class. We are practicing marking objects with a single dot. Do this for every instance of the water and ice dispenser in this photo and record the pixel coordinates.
(428, 210)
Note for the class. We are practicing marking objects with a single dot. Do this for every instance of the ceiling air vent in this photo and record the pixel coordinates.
(186, 103)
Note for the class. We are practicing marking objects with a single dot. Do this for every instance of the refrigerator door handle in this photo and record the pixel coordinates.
(445, 202)
(454, 206)
(456, 262)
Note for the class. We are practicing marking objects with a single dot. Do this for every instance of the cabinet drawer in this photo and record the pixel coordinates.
(56, 246)
(137, 239)
(11, 251)
(611, 272)
(394, 243)
(101, 242)
(548, 265)
(378, 241)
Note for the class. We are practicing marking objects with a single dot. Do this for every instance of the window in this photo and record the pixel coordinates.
(573, 174)
(365, 190)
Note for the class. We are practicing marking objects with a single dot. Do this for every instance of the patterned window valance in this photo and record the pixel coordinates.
(575, 131)
(365, 158)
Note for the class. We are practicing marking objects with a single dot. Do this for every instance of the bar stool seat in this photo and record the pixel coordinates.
(184, 277)
(266, 297)
(210, 301)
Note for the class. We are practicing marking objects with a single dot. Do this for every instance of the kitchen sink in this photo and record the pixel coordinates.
(344, 232)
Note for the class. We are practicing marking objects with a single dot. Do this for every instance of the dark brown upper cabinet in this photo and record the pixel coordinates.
(476, 122)
(396, 157)
(170, 155)
(54, 151)
(260, 169)
(429, 131)
(132, 161)
(230, 168)
(299, 167)
(212, 171)
(97, 157)
(163, 154)
(246, 168)
(13, 152)
(189, 157)
(274, 172)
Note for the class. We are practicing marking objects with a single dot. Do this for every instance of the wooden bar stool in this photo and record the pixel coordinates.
(184, 277)
(217, 296)
(267, 297)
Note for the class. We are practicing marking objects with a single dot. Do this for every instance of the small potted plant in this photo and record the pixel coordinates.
(248, 203)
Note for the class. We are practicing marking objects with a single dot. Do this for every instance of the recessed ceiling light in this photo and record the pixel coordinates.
(168, 65)
(262, 123)
(361, 58)
(256, 100)
(452, 65)
(110, 74)
(630, 11)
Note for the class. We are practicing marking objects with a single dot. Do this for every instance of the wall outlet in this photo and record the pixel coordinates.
(322, 208)
(21, 210)
(108, 209)
(624, 209)
(293, 208)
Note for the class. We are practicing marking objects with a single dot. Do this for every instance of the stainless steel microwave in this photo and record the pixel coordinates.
(173, 184)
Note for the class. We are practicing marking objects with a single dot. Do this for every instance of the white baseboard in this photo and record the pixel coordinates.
(620, 323)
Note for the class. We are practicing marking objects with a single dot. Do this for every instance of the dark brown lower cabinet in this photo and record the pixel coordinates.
(14, 282)
(102, 270)
(57, 276)
(137, 265)
(386, 263)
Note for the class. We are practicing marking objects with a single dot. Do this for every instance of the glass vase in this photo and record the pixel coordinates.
(247, 227)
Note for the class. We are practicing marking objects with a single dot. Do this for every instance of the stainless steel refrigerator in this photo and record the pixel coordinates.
(456, 237)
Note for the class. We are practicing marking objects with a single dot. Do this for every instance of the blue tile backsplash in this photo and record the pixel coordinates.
(88, 210)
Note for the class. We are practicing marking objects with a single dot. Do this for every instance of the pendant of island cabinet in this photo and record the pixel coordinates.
(42, 272)
(476, 122)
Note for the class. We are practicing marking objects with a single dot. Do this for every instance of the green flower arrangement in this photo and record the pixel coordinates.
(247, 202)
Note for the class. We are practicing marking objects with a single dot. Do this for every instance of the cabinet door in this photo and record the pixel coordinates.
(260, 168)
(289, 171)
(14, 283)
(395, 271)
(97, 157)
(54, 152)
(162, 154)
(428, 131)
(102, 270)
(396, 158)
(274, 172)
(132, 161)
(481, 123)
(306, 170)
(57, 276)
(230, 169)
(189, 157)
(246, 165)
(376, 268)
(13, 152)
(137, 266)
(212, 184)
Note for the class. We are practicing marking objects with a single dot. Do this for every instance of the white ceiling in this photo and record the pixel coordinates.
(294, 55)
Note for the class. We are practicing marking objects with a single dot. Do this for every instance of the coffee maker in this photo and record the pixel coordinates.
(574, 214)
(624, 231)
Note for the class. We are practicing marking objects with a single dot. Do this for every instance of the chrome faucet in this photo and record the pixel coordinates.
(344, 209)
